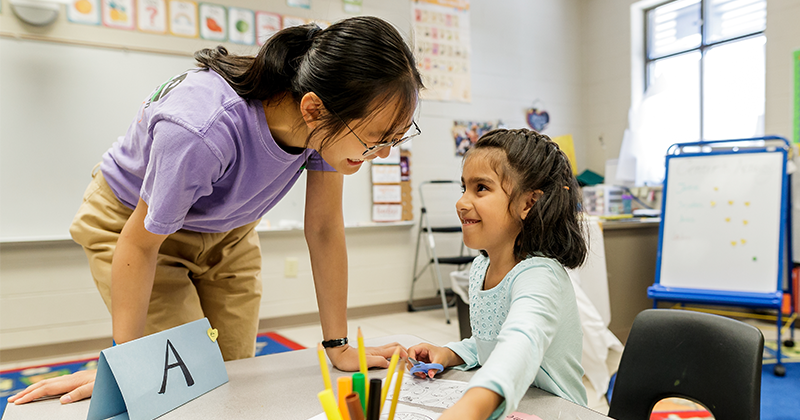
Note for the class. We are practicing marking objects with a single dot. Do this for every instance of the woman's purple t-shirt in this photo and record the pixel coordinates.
(202, 158)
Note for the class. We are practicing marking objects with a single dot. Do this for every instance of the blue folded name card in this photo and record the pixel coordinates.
(145, 378)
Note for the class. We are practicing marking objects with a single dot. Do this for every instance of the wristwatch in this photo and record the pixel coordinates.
(336, 342)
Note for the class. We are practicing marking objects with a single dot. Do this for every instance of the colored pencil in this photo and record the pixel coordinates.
(323, 366)
(362, 363)
(389, 373)
(397, 385)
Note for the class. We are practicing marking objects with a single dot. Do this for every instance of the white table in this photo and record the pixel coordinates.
(284, 386)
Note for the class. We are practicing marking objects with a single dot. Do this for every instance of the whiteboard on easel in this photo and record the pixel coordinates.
(721, 227)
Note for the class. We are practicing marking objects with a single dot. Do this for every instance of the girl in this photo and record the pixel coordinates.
(168, 221)
(520, 208)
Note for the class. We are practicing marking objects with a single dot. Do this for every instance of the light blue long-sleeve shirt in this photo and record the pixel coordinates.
(525, 332)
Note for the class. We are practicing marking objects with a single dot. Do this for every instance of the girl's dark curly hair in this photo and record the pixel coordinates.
(527, 161)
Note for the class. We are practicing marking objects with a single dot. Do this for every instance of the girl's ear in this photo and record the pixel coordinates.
(311, 108)
(528, 200)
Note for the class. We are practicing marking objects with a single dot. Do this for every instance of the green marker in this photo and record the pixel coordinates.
(358, 388)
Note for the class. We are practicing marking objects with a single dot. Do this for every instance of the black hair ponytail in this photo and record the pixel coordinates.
(354, 66)
(268, 74)
(552, 227)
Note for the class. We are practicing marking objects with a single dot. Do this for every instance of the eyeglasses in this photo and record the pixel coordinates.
(372, 151)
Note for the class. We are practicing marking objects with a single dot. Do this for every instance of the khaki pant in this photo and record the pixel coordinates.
(214, 275)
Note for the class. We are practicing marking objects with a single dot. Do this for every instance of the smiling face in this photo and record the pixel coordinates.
(345, 154)
(487, 222)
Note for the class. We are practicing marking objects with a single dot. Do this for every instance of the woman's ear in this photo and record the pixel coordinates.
(528, 200)
(311, 108)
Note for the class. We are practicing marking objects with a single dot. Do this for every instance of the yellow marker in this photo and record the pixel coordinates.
(345, 387)
(323, 366)
(713, 203)
(362, 363)
(746, 203)
(397, 385)
(744, 221)
(727, 219)
(743, 241)
(716, 189)
(730, 202)
(733, 243)
(389, 373)
(328, 402)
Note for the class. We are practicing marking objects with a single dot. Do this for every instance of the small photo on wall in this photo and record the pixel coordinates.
(86, 12)
(151, 16)
(118, 14)
(267, 24)
(467, 133)
(183, 18)
(213, 22)
(242, 26)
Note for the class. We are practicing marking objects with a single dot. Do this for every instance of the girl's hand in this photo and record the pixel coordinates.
(428, 353)
(346, 358)
(78, 385)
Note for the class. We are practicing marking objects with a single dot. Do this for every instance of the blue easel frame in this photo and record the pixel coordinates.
(771, 300)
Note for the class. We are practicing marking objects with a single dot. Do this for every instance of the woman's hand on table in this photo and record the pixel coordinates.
(75, 387)
(346, 357)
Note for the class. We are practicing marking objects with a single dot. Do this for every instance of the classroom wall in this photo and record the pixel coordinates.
(46, 292)
(606, 73)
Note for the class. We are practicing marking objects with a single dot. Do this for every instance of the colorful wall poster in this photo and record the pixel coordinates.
(352, 6)
(118, 14)
(289, 21)
(151, 16)
(303, 4)
(86, 12)
(796, 125)
(242, 24)
(566, 145)
(442, 47)
(467, 133)
(213, 22)
(267, 24)
(183, 18)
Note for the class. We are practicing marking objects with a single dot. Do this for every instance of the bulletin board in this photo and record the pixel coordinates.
(724, 227)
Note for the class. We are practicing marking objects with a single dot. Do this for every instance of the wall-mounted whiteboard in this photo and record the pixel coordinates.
(722, 222)
(62, 106)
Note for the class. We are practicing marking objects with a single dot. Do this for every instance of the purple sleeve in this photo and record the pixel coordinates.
(181, 169)
(317, 163)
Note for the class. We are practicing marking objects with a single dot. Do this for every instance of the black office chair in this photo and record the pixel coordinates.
(709, 359)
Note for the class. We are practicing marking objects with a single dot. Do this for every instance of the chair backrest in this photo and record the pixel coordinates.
(706, 358)
(438, 198)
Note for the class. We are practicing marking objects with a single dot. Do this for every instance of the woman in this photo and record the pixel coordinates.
(168, 220)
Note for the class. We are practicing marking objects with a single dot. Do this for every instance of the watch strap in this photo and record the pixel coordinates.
(336, 342)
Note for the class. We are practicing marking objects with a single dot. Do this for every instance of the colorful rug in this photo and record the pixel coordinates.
(15, 380)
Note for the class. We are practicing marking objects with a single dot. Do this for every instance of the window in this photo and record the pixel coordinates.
(704, 77)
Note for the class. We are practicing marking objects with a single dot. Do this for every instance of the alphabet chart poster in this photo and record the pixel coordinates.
(442, 44)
